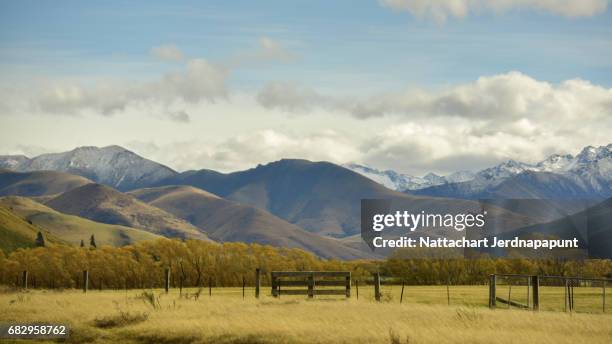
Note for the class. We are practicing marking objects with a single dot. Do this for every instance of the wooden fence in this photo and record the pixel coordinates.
(312, 281)
(533, 284)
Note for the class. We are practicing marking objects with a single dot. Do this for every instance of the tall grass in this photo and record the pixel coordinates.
(227, 318)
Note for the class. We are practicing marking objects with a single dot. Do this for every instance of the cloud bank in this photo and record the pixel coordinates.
(441, 10)
(503, 98)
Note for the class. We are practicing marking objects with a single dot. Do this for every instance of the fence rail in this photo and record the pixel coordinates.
(311, 280)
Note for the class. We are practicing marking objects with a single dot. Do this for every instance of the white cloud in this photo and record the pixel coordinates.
(502, 98)
(289, 96)
(200, 80)
(441, 10)
(249, 149)
(167, 52)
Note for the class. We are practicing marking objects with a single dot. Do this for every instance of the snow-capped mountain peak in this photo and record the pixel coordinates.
(403, 182)
(111, 165)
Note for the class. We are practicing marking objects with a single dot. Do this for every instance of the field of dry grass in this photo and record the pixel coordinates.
(424, 317)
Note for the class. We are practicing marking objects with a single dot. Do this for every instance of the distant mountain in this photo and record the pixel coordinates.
(229, 221)
(403, 182)
(40, 183)
(587, 175)
(113, 165)
(103, 204)
(57, 226)
(320, 197)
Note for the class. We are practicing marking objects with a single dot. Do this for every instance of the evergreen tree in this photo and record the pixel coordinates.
(92, 242)
(40, 240)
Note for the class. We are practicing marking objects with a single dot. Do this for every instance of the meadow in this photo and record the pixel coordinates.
(424, 316)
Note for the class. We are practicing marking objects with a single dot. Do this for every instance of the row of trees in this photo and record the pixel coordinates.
(198, 263)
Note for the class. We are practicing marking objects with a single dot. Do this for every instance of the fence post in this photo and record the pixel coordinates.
(357, 288)
(167, 279)
(509, 293)
(535, 284)
(85, 280)
(528, 291)
(209, 286)
(273, 283)
(377, 286)
(243, 285)
(402, 293)
(311, 285)
(257, 282)
(565, 295)
(572, 295)
(492, 286)
(24, 279)
(604, 295)
(348, 285)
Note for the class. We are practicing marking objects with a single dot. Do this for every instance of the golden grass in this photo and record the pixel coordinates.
(225, 317)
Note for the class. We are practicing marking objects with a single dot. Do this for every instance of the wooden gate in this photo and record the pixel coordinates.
(284, 283)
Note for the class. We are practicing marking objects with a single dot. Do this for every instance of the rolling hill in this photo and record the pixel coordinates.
(103, 204)
(24, 218)
(16, 232)
(39, 183)
(230, 221)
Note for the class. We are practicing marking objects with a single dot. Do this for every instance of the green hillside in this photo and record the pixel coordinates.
(69, 228)
(16, 232)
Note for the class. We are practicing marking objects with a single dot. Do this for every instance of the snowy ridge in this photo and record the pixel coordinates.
(113, 165)
(590, 170)
(403, 182)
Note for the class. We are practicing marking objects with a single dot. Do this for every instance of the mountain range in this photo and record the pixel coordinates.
(289, 203)
(586, 175)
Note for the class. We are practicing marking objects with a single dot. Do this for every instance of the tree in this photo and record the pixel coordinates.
(82, 243)
(92, 242)
(40, 240)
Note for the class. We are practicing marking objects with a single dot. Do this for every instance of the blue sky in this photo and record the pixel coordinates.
(337, 41)
(323, 57)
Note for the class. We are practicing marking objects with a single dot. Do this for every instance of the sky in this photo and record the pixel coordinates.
(416, 86)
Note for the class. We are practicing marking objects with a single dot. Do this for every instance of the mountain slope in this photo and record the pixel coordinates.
(592, 227)
(113, 165)
(39, 183)
(229, 221)
(103, 204)
(17, 232)
(68, 228)
(318, 196)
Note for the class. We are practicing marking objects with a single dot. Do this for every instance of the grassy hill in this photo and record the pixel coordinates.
(230, 221)
(38, 183)
(106, 205)
(68, 228)
(16, 232)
